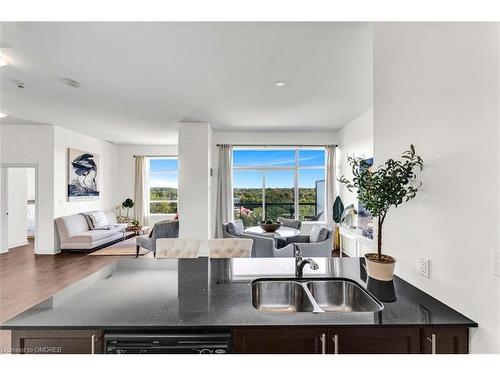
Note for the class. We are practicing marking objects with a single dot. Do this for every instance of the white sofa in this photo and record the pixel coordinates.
(76, 235)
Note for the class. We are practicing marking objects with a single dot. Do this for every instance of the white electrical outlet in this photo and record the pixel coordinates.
(424, 267)
(496, 262)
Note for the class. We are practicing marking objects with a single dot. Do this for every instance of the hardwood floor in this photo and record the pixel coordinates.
(27, 279)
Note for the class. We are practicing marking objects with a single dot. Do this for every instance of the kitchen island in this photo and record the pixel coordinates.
(163, 297)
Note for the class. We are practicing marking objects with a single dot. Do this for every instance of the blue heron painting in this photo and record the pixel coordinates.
(83, 175)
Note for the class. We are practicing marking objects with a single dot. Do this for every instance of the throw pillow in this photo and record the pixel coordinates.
(98, 219)
(319, 233)
(236, 228)
(88, 219)
(290, 223)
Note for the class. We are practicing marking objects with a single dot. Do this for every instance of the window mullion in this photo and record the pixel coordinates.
(296, 186)
(263, 195)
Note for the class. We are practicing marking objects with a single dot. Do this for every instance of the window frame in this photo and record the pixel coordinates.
(170, 157)
(295, 168)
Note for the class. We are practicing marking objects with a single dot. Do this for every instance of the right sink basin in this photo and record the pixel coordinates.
(342, 295)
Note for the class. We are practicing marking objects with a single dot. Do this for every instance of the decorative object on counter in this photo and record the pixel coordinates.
(128, 204)
(378, 190)
(338, 209)
(270, 225)
(83, 181)
(349, 217)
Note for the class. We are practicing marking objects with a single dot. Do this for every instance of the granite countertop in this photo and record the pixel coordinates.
(167, 293)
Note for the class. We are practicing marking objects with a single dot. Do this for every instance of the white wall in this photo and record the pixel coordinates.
(437, 86)
(126, 170)
(107, 173)
(195, 147)
(355, 139)
(17, 206)
(34, 144)
(264, 138)
(31, 183)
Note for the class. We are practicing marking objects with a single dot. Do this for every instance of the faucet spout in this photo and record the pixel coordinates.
(301, 263)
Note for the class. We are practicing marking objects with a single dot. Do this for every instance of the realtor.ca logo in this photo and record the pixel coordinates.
(34, 350)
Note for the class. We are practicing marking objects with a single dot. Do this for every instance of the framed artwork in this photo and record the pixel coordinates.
(83, 175)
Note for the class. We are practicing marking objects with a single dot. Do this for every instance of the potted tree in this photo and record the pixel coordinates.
(378, 190)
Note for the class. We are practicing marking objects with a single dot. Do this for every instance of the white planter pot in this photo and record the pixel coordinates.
(383, 271)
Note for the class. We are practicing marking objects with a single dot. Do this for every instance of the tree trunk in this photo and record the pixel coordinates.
(379, 237)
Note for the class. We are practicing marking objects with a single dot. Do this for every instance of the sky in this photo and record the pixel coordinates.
(277, 158)
(164, 172)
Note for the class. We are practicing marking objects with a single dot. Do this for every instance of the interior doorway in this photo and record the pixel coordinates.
(19, 207)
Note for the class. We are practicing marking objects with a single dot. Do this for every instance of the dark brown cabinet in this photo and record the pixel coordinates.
(441, 340)
(57, 342)
(279, 340)
(350, 340)
(373, 340)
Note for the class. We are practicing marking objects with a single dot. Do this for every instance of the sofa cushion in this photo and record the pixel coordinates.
(71, 225)
(319, 233)
(236, 227)
(98, 219)
(111, 217)
(91, 236)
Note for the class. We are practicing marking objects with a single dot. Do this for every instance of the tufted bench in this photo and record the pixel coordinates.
(177, 248)
(230, 248)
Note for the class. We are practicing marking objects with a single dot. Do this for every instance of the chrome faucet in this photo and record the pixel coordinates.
(300, 262)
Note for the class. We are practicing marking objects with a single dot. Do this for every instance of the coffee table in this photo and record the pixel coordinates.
(135, 230)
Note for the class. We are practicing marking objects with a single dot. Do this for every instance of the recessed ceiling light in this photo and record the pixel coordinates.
(71, 82)
(3, 62)
(2, 115)
(279, 83)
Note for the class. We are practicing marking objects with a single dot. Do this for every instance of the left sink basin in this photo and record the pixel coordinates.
(280, 297)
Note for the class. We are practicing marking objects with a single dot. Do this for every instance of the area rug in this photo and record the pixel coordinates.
(122, 248)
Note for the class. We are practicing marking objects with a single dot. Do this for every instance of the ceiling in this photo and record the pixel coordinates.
(139, 80)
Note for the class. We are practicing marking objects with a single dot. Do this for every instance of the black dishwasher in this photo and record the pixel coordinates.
(168, 343)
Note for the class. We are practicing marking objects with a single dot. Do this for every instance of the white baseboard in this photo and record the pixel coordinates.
(48, 252)
(24, 243)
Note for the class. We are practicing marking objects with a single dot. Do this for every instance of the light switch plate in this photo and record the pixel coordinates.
(496, 262)
(424, 267)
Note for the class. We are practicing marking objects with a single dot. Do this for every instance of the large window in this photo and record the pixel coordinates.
(163, 184)
(285, 182)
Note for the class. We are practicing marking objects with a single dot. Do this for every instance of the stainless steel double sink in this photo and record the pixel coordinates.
(313, 295)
